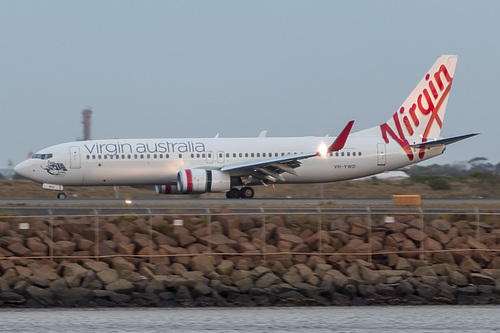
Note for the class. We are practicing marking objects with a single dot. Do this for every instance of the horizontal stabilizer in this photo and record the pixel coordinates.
(446, 141)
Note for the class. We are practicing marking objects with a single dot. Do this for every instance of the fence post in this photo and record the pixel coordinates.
(477, 223)
(320, 240)
(96, 235)
(51, 247)
(264, 244)
(422, 230)
(150, 235)
(209, 220)
(370, 233)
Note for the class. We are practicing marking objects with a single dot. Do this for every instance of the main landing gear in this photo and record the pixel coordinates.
(61, 195)
(244, 193)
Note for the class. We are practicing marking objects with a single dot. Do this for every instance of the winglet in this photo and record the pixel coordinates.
(339, 142)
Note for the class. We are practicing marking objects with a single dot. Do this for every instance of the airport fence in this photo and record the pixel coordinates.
(159, 236)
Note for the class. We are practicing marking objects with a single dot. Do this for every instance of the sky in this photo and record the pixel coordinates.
(168, 69)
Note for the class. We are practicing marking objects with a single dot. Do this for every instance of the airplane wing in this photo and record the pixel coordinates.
(272, 168)
(446, 141)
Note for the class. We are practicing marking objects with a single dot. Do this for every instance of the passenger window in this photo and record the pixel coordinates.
(192, 155)
(227, 155)
(234, 154)
(353, 153)
(241, 155)
(348, 153)
(246, 154)
(258, 154)
(167, 155)
(99, 156)
(251, 155)
(342, 153)
(263, 154)
(161, 155)
(88, 157)
(180, 155)
(359, 154)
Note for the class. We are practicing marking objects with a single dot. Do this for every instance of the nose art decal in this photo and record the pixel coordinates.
(55, 169)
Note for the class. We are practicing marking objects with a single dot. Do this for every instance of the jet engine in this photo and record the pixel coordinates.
(167, 189)
(201, 181)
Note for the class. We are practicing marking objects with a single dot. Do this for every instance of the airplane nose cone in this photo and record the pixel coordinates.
(25, 169)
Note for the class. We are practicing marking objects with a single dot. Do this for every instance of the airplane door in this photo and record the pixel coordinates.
(381, 154)
(220, 156)
(210, 157)
(74, 157)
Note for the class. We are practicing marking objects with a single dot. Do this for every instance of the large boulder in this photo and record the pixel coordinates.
(441, 224)
(415, 234)
(457, 279)
(108, 276)
(121, 286)
(203, 263)
(267, 280)
(73, 274)
(41, 295)
(371, 276)
(120, 264)
(481, 279)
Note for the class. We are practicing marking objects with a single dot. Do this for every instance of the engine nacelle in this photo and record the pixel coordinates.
(167, 189)
(201, 181)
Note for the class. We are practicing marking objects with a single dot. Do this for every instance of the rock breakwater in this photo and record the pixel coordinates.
(231, 260)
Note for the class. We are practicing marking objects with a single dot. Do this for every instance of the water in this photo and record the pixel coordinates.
(256, 320)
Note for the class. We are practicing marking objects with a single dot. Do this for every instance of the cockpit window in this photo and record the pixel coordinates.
(43, 156)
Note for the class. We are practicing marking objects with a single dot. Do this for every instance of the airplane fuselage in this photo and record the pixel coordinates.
(157, 161)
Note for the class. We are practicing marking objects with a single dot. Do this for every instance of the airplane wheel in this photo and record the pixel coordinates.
(233, 193)
(247, 193)
(61, 195)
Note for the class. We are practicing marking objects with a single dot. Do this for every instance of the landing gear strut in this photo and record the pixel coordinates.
(244, 193)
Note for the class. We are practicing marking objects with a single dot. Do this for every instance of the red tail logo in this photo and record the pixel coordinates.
(428, 103)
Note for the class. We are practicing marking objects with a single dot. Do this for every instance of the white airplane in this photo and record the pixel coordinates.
(232, 165)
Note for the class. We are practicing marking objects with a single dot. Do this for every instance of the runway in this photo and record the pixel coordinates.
(45, 207)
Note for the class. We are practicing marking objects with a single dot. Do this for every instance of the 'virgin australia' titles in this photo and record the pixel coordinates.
(234, 165)
(156, 147)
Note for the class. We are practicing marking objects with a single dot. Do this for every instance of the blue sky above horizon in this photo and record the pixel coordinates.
(198, 68)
